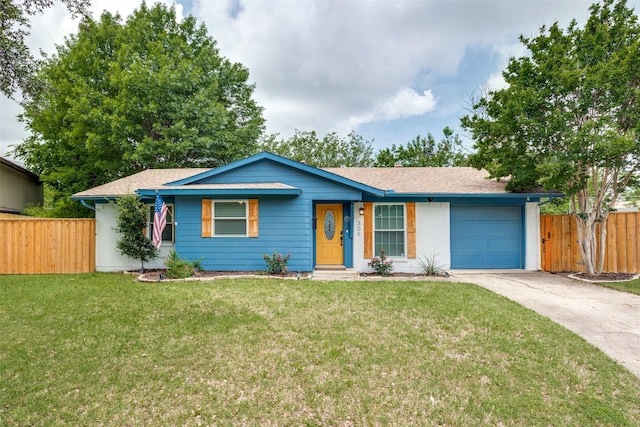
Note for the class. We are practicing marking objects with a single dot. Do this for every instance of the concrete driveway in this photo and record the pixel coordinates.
(606, 318)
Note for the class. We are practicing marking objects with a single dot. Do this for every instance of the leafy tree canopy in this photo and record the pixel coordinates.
(17, 65)
(330, 151)
(425, 151)
(120, 97)
(569, 118)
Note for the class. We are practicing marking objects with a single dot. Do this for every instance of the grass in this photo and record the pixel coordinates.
(102, 349)
(632, 286)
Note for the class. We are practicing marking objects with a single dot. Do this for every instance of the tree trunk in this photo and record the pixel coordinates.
(602, 241)
(586, 241)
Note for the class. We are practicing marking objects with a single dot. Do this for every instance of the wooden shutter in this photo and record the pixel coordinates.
(207, 217)
(368, 230)
(253, 217)
(411, 230)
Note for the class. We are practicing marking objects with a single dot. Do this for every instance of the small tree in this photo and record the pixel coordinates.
(131, 223)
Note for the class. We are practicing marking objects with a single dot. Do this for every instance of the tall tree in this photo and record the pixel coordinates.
(569, 118)
(330, 151)
(151, 92)
(17, 65)
(425, 151)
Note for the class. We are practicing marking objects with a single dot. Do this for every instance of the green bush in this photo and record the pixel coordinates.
(380, 264)
(276, 263)
(178, 268)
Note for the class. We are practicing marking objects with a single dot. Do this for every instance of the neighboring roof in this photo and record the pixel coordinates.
(19, 168)
(427, 180)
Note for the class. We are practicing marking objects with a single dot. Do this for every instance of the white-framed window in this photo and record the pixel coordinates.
(389, 229)
(168, 234)
(230, 218)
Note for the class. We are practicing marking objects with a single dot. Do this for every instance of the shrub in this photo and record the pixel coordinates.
(430, 266)
(380, 264)
(276, 263)
(178, 268)
(131, 220)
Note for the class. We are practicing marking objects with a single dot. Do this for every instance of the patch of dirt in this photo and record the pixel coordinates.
(605, 277)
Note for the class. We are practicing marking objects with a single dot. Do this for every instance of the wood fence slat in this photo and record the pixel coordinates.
(562, 253)
(611, 258)
(45, 246)
(621, 242)
(633, 247)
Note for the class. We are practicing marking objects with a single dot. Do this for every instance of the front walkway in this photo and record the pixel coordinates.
(606, 318)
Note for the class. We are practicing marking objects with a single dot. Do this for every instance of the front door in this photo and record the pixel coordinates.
(329, 235)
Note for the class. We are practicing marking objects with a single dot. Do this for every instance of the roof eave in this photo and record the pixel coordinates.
(443, 197)
(222, 192)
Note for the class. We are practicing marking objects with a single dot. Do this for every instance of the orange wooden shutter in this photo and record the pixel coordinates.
(206, 218)
(368, 230)
(253, 217)
(411, 230)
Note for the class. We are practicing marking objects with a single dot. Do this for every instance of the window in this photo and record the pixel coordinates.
(389, 230)
(168, 232)
(230, 218)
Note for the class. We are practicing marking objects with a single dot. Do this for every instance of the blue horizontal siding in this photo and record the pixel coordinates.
(284, 226)
(313, 187)
(285, 222)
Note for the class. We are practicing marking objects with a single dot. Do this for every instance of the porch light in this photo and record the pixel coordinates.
(361, 211)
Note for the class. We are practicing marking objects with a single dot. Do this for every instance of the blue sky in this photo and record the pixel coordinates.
(389, 70)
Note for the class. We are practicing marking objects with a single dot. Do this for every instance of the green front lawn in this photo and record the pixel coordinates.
(632, 286)
(102, 349)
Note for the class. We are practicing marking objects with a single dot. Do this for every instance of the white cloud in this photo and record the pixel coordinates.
(406, 103)
(321, 64)
(334, 65)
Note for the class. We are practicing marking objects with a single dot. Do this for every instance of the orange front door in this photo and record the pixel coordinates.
(329, 235)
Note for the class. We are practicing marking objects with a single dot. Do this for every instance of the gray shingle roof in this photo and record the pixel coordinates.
(150, 178)
(459, 180)
(400, 180)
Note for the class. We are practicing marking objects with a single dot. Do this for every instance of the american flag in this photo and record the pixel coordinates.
(159, 220)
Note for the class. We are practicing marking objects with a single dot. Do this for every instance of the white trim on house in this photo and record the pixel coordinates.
(108, 257)
(532, 236)
(432, 237)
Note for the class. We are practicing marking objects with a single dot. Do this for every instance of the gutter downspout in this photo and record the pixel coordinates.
(87, 205)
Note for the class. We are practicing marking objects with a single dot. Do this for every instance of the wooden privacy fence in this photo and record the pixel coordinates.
(44, 246)
(560, 252)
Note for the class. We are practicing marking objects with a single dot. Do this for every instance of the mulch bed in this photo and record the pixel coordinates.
(155, 274)
(605, 277)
